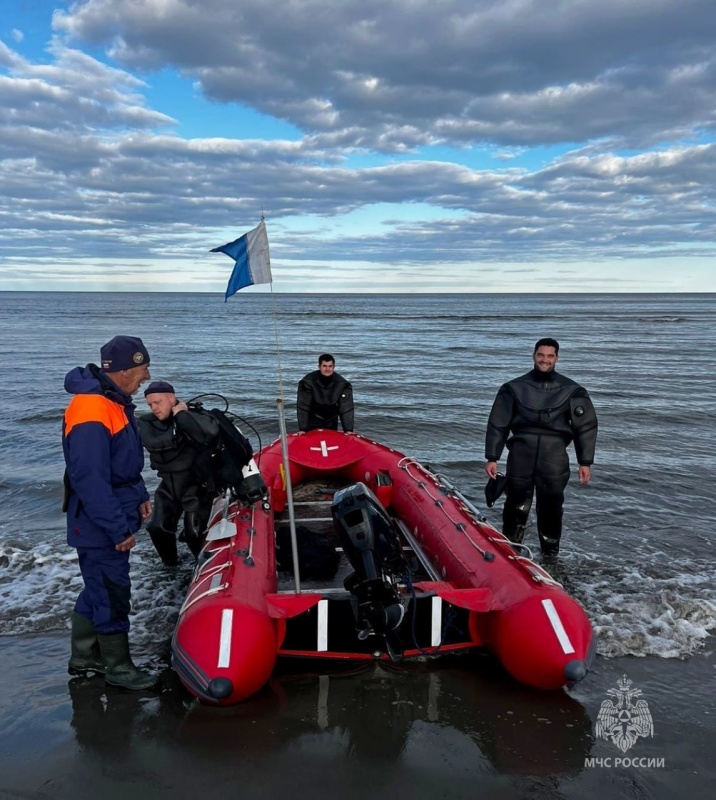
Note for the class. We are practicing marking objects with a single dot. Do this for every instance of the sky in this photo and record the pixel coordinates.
(391, 145)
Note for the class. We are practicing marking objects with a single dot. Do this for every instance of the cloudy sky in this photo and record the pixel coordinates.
(392, 145)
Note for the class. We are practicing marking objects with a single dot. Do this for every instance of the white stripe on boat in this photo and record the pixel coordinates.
(557, 626)
(322, 644)
(436, 621)
(227, 619)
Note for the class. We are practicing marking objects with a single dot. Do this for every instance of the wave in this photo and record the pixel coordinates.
(636, 609)
(665, 319)
(39, 586)
(655, 607)
(51, 415)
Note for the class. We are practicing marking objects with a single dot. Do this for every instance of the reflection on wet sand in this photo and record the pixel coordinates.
(415, 716)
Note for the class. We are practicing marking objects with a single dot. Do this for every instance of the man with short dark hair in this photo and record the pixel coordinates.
(537, 416)
(106, 502)
(324, 396)
(176, 436)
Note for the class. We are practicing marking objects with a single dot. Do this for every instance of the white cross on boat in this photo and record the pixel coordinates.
(324, 448)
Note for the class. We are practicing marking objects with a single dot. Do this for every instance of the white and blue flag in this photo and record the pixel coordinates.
(253, 264)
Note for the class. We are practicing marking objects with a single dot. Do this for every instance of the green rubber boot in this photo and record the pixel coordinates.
(85, 657)
(121, 670)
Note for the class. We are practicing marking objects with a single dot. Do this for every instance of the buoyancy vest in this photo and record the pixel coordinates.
(175, 444)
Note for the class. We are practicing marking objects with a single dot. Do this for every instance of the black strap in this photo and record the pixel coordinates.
(68, 489)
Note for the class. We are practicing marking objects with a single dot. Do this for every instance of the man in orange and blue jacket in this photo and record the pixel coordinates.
(106, 503)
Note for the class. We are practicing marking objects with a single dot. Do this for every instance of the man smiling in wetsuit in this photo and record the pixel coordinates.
(537, 416)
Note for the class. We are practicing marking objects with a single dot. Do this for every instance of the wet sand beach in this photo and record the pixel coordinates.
(456, 729)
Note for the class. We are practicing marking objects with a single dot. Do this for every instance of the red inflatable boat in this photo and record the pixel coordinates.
(419, 572)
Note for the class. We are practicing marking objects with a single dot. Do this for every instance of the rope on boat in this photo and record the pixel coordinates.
(216, 568)
(213, 590)
(207, 570)
(537, 573)
(203, 576)
(405, 464)
(215, 552)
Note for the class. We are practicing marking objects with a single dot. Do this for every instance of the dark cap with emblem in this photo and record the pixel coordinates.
(159, 387)
(123, 352)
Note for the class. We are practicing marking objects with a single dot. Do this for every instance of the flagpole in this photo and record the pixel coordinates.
(280, 403)
(253, 265)
(289, 495)
(278, 349)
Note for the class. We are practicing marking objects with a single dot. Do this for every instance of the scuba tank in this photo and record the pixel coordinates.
(231, 464)
(253, 487)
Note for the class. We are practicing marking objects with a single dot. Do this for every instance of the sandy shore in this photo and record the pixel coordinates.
(433, 731)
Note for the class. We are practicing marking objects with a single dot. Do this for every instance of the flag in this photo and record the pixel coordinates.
(253, 264)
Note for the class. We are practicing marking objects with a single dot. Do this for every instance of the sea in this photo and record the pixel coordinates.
(636, 551)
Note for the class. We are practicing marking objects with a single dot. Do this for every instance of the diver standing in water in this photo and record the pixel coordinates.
(324, 396)
(176, 436)
(543, 411)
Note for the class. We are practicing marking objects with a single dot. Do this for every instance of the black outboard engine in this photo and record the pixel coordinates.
(371, 544)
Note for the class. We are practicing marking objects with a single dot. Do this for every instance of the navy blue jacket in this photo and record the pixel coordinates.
(104, 460)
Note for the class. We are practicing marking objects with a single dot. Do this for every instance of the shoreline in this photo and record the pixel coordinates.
(320, 735)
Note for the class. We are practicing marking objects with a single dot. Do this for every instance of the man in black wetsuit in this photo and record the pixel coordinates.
(544, 412)
(176, 436)
(324, 396)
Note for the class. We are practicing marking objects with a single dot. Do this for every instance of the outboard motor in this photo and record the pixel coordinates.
(371, 544)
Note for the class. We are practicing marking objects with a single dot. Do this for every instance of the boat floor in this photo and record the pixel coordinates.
(429, 627)
(312, 511)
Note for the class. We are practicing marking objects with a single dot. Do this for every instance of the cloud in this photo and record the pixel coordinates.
(75, 94)
(510, 133)
(397, 75)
